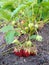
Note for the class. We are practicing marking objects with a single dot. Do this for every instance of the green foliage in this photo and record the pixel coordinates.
(17, 10)
(9, 33)
(8, 5)
(37, 37)
(39, 1)
(5, 14)
(26, 14)
(7, 28)
(9, 37)
(24, 7)
(17, 34)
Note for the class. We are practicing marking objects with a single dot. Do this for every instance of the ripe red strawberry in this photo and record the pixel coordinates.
(18, 52)
(26, 52)
(21, 52)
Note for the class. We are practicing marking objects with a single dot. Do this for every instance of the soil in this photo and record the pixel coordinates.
(42, 58)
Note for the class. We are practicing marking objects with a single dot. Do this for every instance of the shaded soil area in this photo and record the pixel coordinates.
(42, 58)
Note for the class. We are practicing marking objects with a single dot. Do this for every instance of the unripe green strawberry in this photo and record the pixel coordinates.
(39, 38)
(30, 25)
(18, 52)
(26, 29)
(13, 22)
(28, 43)
(36, 26)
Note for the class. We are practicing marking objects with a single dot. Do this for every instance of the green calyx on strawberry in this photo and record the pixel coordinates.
(33, 51)
(28, 43)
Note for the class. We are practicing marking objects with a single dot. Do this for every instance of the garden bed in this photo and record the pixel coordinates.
(42, 57)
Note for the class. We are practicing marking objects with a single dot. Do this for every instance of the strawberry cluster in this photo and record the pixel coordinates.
(25, 52)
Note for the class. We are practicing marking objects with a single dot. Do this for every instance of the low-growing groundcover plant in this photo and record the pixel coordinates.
(23, 17)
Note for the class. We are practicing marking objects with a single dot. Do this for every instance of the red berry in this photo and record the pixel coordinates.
(26, 53)
(21, 52)
(18, 52)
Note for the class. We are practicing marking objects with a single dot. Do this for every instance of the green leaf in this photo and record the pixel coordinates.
(36, 37)
(9, 37)
(5, 14)
(45, 3)
(33, 37)
(8, 5)
(18, 9)
(39, 1)
(45, 0)
(17, 34)
(7, 28)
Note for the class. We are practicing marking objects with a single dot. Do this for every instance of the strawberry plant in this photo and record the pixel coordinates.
(23, 17)
(26, 49)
